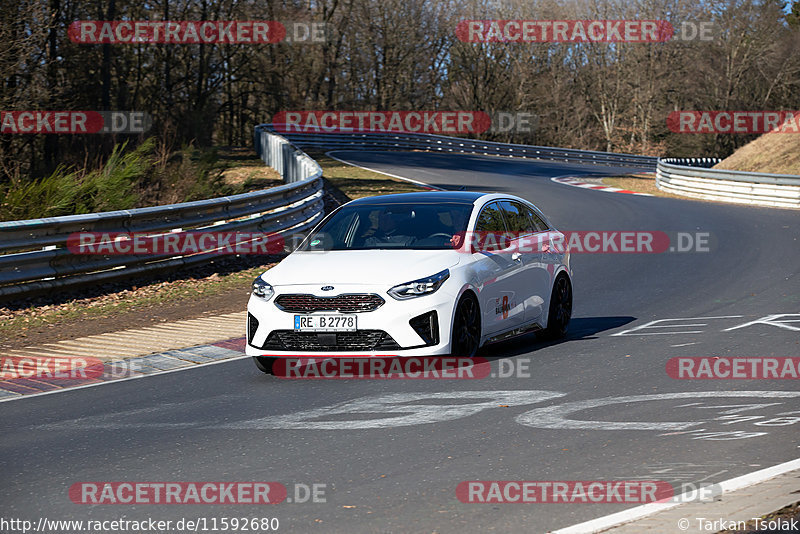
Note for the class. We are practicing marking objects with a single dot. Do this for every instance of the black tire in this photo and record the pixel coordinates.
(560, 309)
(466, 336)
(264, 363)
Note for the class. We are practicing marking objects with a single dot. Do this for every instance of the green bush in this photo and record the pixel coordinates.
(113, 187)
(47, 197)
(67, 191)
(129, 178)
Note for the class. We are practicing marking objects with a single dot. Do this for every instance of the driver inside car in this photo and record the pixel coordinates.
(387, 231)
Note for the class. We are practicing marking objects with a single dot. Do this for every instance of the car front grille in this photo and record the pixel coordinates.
(353, 303)
(330, 341)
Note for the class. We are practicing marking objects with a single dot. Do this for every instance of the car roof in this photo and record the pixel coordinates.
(426, 197)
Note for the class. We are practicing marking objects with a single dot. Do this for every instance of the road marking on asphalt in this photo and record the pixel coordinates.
(771, 320)
(676, 472)
(406, 409)
(778, 320)
(398, 409)
(555, 417)
(417, 182)
(655, 324)
(639, 512)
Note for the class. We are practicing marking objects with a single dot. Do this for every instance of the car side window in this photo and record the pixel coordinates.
(518, 221)
(537, 221)
(491, 219)
(491, 228)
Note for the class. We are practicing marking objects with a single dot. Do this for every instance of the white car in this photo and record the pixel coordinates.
(405, 275)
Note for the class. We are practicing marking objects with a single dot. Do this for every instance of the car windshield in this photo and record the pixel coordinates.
(392, 226)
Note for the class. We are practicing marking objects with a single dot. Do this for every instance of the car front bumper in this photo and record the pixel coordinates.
(393, 317)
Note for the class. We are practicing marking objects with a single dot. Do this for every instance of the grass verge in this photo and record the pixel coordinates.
(356, 182)
(243, 170)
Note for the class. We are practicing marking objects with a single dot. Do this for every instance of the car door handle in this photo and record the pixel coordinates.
(516, 257)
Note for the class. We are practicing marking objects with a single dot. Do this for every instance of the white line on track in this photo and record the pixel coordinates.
(380, 172)
(638, 512)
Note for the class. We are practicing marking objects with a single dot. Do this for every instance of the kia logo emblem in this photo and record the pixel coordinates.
(327, 288)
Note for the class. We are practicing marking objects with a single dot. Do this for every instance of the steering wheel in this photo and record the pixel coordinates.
(442, 234)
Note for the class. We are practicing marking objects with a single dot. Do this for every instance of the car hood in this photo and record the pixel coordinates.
(360, 267)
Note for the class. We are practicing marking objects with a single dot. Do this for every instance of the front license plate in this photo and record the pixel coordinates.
(325, 323)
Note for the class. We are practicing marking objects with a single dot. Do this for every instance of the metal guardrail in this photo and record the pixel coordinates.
(684, 176)
(291, 208)
(441, 143)
(687, 177)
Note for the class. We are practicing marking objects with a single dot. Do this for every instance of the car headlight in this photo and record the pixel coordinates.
(418, 288)
(262, 290)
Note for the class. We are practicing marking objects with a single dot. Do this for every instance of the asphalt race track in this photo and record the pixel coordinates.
(229, 422)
